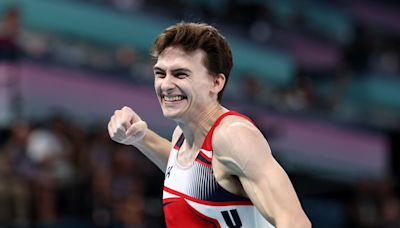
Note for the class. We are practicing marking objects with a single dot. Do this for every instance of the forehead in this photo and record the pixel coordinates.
(173, 57)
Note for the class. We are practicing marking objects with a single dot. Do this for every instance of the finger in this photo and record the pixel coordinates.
(111, 126)
(137, 131)
(126, 117)
(134, 116)
(117, 120)
(134, 128)
(117, 135)
(115, 129)
(110, 129)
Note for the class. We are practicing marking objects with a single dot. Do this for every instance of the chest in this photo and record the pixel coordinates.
(200, 172)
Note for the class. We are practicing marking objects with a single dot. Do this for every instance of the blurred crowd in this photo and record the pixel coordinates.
(58, 173)
(360, 52)
(61, 174)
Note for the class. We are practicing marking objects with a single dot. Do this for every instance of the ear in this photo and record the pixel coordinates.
(218, 83)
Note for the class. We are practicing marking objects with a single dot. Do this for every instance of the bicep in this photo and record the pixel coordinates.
(262, 178)
(269, 188)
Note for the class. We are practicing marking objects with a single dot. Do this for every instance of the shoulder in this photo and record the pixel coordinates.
(236, 141)
(234, 130)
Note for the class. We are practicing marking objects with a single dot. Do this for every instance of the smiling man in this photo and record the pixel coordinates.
(219, 170)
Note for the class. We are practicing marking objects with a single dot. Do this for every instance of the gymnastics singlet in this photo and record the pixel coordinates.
(192, 198)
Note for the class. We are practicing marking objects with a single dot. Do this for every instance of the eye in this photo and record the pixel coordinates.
(181, 75)
(159, 74)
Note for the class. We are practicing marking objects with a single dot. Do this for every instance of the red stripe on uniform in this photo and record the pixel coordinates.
(204, 156)
(229, 203)
(176, 147)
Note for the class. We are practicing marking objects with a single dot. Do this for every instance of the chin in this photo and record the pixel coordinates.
(170, 114)
(173, 112)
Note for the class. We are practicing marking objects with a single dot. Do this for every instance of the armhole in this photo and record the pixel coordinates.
(207, 144)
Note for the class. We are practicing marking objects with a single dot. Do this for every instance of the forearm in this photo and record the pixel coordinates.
(155, 148)
(293, 222)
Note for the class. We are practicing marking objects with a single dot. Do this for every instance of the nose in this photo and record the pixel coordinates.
(167, 83)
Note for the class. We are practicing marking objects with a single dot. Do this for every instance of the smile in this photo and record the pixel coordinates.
(173, 98)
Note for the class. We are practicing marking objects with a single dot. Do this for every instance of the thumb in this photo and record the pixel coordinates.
(137, 131)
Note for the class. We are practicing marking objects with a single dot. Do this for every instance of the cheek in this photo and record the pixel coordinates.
(202, 89)
(199, 94)
(157, 87)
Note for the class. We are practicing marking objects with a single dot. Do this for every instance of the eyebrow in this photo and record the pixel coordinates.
(174, 71)
(159, 69)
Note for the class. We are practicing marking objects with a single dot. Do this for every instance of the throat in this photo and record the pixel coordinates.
(186, 158)
(196, 129)
(207, 118)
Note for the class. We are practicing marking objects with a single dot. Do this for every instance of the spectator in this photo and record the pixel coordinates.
(9, 31)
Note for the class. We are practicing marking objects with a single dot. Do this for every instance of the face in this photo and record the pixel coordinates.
(183, 85)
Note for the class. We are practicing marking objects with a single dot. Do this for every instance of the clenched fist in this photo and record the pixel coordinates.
(126, 126)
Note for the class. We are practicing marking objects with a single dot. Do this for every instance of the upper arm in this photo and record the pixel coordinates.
(245, 153)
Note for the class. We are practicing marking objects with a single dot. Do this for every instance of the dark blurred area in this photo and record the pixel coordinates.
(320, 78)
(59, 174)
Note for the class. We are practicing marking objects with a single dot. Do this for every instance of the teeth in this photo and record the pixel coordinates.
(173, 98)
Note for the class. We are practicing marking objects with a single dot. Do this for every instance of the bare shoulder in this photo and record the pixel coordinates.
(235, 141)
(235, 130)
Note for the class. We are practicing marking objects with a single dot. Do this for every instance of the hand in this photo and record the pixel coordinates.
(126, 126)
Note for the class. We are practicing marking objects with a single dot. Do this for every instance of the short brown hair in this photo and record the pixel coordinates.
(192, 36)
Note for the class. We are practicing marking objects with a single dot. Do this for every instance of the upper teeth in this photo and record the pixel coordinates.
(173, 98)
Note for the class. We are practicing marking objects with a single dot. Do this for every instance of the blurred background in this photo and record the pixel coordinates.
(320, 78)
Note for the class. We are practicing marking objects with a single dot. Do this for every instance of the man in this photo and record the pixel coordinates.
(219, 170)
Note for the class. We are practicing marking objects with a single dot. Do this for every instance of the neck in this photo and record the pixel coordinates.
(195, 130)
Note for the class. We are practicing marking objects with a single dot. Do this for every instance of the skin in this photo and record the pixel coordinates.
(188, 95)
